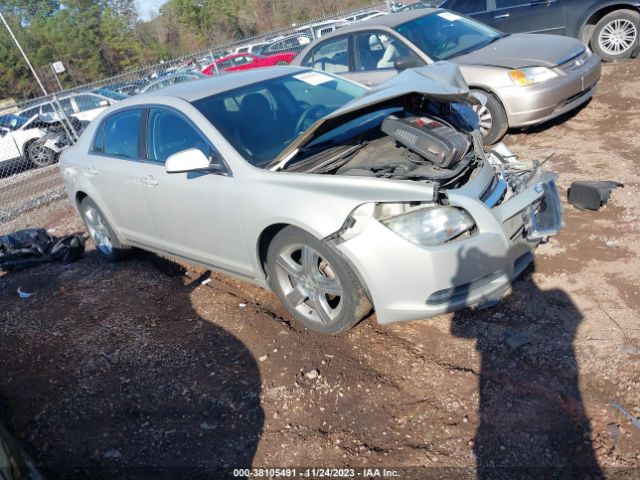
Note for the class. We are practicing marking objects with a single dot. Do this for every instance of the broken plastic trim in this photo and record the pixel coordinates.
(544, 218)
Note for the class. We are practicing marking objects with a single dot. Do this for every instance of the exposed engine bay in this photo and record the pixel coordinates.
(440, 144)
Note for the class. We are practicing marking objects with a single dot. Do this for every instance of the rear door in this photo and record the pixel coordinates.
(115, 171)
(529, 16)
(195, 213)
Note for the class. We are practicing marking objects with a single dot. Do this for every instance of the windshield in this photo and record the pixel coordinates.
(12, 122)
(262, 118)
(443, 35)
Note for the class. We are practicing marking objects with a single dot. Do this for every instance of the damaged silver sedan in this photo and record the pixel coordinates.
(338, 198)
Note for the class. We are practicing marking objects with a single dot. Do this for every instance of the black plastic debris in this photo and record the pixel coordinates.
(32, 246)
(591, 195)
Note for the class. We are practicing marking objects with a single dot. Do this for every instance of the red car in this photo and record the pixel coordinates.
(247, 61)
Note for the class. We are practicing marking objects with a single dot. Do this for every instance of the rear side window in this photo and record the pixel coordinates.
(121, 134)
(98, 141)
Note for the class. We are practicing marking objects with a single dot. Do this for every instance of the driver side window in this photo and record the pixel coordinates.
(378, 50)
(169, 132)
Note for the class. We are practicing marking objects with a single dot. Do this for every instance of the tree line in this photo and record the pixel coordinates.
(96, 39)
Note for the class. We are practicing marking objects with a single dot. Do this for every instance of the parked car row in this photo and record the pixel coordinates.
(522, 79)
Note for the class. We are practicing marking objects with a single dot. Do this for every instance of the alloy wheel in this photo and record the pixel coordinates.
(39, 154)
(485, 119)
(98, 230)
(309, 283)
(617, 36)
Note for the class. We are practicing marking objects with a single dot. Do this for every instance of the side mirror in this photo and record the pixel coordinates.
(191, 160)
(104, 103)
(404, 63)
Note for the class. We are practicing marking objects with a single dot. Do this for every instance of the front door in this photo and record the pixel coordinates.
(195, 213)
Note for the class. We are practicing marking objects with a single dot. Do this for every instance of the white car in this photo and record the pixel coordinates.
(84, 106)
(18, 143)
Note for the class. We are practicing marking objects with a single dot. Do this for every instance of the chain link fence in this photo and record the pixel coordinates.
(33, 133)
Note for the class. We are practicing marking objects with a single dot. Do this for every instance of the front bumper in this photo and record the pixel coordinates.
(410, 282)
(539, 103)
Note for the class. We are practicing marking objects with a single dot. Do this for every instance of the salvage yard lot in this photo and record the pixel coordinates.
(121, 368)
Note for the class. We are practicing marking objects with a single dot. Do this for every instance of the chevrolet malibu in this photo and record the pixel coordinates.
(338, 198)
(526, 79)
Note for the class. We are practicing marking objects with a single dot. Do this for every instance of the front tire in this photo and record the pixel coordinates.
(616, 35)
(101, 232)
(39, 155)
(493, 119)
(314, 282)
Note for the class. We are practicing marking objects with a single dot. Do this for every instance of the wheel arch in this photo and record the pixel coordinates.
(589, 24)
(489, 90)
(269, 233)
(80, 195)
(26, 145)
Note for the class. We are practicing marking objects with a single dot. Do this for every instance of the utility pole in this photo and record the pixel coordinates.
(23, 54)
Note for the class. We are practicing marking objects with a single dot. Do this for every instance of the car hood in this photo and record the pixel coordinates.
(524, 50)
(441, 81)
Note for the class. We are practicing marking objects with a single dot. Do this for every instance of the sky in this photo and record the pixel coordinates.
(148, 8)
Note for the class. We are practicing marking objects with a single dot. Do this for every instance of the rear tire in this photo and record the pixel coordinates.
(616, 35)
(314, 283)
(493, 119)
(101, 233)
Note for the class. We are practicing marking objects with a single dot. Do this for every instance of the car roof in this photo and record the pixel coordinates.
(197, 89)
(391, 20)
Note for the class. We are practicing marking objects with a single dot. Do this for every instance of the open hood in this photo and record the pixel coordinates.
(441, 81)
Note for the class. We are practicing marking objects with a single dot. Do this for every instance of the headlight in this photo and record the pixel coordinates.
(531, 75)
(430, 226)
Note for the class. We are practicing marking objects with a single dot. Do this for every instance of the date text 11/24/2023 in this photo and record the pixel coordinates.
(316, 473)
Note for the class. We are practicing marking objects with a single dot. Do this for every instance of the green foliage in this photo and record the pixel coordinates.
(100, 38)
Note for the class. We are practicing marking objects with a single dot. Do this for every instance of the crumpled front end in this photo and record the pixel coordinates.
(514, 207)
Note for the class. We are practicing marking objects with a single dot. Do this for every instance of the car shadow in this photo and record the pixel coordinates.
(532, 419)
(124, 379)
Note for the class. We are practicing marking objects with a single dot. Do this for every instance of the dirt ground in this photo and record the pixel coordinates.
(139, 370)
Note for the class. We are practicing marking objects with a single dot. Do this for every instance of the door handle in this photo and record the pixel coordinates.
(149, 180)
(92, 171)
(504, 15)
